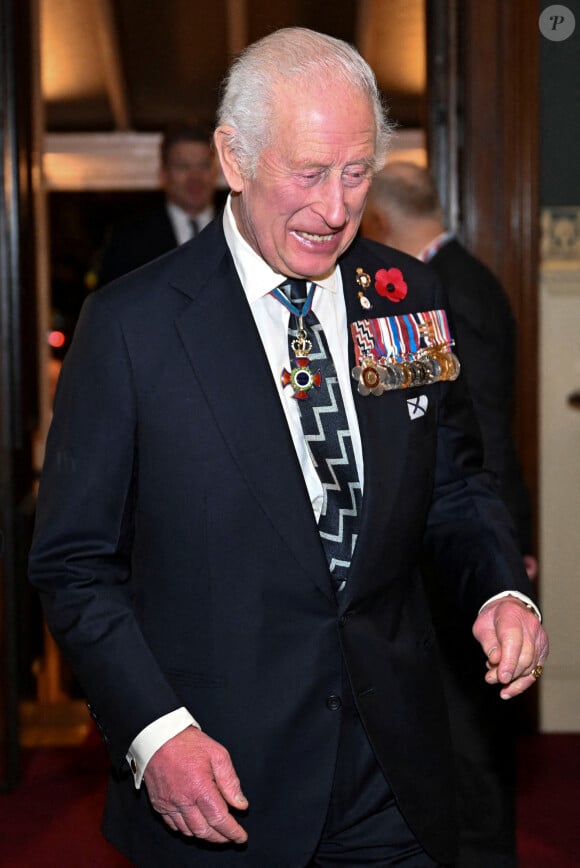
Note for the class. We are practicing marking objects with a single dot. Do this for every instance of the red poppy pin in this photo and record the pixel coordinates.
(390, 284)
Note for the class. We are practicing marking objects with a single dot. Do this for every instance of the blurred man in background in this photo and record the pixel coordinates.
(188, 177)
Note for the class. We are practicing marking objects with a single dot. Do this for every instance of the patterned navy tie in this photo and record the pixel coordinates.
(329, 441)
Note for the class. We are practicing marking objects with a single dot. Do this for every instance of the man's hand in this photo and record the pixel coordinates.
(191, 781)
(514, 643)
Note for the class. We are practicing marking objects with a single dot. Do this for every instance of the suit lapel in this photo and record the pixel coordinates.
(229, 362)
(382, 422)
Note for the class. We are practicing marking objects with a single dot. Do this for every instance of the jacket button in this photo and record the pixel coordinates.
(333, 702)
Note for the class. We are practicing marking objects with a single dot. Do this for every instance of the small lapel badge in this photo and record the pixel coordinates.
(417, 407)
(364, 281)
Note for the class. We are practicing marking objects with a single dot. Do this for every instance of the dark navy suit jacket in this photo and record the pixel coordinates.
(179, 560)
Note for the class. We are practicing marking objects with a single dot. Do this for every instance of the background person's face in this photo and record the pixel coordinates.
(188, 178)
(304, 206)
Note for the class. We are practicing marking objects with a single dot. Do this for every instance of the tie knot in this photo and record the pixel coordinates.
(194, 227)
(295, 290)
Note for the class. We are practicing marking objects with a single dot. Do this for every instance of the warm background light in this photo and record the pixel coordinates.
(71, 67)
(393, 41)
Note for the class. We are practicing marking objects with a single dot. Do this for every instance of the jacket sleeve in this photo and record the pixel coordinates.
(470, 536)
(80, 558)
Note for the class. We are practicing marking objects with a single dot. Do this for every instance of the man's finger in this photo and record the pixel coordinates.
(517, 687)
(176, 822)
(198, 826)
(227, 781)
(168, 818)
(216, 814)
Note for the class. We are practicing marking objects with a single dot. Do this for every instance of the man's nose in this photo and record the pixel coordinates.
(333, 205)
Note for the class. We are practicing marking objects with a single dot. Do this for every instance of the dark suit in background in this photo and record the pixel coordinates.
(483, 726)
(403, 210)
(135, 242)
(485, 333)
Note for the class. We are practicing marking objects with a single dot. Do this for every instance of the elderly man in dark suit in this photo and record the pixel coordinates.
(187, 176)
(254, 440)
(403, 210)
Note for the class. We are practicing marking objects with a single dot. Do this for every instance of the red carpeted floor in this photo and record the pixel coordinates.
(548, 811)
(52, 819)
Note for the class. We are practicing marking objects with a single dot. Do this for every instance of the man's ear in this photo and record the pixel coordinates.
(223, 138)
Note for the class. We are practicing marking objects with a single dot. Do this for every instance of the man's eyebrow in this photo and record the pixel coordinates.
(368, 162)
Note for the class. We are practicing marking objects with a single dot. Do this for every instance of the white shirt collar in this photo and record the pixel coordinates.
(257, 278)
(181, 221)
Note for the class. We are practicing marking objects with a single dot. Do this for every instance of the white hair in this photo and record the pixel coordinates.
(249, 91)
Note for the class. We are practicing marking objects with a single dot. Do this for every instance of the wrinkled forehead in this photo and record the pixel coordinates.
(323, 100)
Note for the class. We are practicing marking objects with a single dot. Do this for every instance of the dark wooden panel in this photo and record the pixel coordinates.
(174, 55)
(483, 61)
(484, 122)
(500, 177)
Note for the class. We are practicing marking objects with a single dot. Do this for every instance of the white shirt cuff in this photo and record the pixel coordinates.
(154, 736)
(519, 596)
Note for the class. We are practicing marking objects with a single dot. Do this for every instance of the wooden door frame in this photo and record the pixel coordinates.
(18, 362)
(484, 128)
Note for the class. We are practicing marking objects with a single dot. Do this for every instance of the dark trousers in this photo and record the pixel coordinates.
(364, 825)
(484, 729)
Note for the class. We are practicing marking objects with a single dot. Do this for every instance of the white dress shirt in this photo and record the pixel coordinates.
(181, 221)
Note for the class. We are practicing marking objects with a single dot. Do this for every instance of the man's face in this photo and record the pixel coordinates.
(188, 178)
(303, 207)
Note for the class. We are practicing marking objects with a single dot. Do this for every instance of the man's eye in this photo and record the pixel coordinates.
(355, 176)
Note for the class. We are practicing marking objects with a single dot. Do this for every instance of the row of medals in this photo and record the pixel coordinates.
(429, 365)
